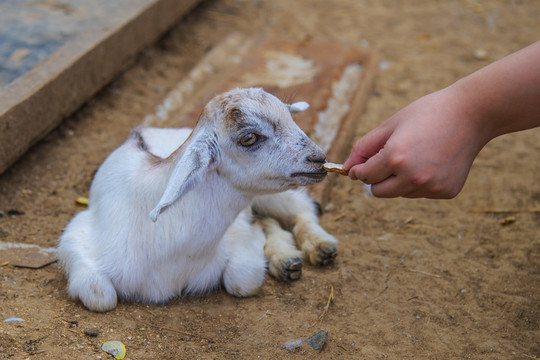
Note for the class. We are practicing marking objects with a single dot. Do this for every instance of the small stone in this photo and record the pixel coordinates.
(481, 54)
(92, 332)
(508, 220)
(293, 344)
(82, 200)
(317, 340)
(114, 348)
(15, 212)
(384, 65)
(14, 319)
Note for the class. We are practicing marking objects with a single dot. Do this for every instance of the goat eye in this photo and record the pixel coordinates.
(249, 139)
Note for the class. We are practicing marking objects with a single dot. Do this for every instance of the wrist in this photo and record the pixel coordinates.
(471, 112)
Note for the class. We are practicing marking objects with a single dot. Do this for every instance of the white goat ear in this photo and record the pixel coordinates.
(188, 171)
(298, 106)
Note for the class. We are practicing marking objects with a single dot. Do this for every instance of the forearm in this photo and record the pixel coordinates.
(504, 96)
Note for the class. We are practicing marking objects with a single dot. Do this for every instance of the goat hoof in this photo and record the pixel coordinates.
(291, 269)
(327, 254)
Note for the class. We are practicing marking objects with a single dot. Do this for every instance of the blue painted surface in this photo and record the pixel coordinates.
(32, 30)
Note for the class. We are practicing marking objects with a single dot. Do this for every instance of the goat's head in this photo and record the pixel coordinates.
(249, 138)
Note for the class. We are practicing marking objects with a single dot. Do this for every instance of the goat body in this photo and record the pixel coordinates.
(181, 211)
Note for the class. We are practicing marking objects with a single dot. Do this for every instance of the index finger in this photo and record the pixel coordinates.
(373, 171)
(366, 147)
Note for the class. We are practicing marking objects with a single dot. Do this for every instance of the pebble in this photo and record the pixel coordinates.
(481, 54)
(14, 319)
(330, 207)
(317, 340)
(293, 344)
(114, 348)
(384, 65)
(92, 332)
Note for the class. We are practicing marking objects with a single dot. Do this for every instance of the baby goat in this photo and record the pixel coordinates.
(175, 211)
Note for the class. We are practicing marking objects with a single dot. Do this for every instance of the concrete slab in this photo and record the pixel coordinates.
(54, 55)
(26, 255)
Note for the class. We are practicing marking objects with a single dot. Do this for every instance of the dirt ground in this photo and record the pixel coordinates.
(414, 279)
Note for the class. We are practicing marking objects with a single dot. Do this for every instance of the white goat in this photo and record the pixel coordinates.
(175, 211)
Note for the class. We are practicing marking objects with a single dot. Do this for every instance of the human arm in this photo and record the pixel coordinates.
(427, 148)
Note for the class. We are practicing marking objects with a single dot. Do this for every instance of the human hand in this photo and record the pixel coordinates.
(424, 150)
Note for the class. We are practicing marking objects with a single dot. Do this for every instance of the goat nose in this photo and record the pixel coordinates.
(317, 158)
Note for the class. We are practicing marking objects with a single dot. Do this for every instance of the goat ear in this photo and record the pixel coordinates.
(197, 157)
(298, 107)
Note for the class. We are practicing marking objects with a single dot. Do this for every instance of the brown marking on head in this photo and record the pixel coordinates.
(237, 105)
(234, 118)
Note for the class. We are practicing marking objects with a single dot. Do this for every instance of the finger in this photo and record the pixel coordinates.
(416, 194)
(373, 171)
(431, 192)
(396, 186)
(357, 156)
(391, 187)
(366, 147)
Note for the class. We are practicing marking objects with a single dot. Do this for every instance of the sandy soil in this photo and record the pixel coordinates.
(414, 279)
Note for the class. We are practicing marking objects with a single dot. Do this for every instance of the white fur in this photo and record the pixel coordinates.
(298, 106)
(171, 210)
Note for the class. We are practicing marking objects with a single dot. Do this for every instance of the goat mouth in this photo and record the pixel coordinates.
(310, 175)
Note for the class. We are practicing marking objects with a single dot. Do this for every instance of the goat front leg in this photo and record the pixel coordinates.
(284, 259)
(319, 246)
(243, 244)
(297, 213)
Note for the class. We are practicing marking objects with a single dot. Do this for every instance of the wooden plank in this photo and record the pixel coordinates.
(316, 72)
(37, 101)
